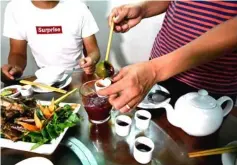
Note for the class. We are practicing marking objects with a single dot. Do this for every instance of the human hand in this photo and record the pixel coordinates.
(130, 86)
(88, 65)
(11, 72)
(126, 17)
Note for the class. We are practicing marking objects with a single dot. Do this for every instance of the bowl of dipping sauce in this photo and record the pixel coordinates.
(123, 125)
(26, 91)
(143, 149)
(142, 119)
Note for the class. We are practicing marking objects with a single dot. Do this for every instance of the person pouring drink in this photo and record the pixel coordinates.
(196, 48)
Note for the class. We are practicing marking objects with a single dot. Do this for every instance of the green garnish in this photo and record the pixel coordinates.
(60, 120)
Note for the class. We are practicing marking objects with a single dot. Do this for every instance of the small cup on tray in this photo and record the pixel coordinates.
(143, 149)
(142, 119)
(26, 91)
(123, 125)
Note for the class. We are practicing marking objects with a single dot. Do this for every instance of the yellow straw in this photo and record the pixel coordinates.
(110, 40)
(43, 86)
(65, 96)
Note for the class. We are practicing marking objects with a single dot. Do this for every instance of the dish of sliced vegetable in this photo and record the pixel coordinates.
(9, 91)
(28, 121)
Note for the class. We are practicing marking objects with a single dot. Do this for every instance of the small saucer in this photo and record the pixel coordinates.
(229, 158)
(145, 104)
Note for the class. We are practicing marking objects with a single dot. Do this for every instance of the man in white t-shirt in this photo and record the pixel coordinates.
(58, 33)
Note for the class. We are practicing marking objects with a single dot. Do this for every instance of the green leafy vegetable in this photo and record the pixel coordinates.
(61, 119)
(39, 144)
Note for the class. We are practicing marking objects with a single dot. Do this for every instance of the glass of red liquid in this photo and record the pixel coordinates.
(98, 108)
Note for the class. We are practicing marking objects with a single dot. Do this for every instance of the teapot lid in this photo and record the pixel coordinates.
(201, 99)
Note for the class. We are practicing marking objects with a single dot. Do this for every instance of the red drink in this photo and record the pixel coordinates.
(98, 108)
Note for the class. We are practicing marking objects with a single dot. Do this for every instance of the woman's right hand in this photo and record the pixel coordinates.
(126, 17)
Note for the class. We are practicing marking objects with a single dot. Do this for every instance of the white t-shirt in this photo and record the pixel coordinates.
(54, 35)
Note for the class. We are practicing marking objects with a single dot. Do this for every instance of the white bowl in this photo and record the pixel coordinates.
(49, 75)
(35, 160)
(26, 91)
(18, 87)
(229, 158)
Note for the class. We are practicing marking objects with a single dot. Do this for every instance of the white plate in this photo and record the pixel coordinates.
(229, 158)
(35, 160)
(40, 90)
(46, 149)
(13, 86)
(148, 105)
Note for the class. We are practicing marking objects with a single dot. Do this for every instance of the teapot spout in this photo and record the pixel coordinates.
(171, 115)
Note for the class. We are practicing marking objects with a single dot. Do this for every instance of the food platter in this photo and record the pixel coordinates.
(70, 151)
(43, 149)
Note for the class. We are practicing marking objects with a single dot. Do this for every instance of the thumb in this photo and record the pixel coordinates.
(119, 18)
(85, 62)
(7, 71)
(12, 71)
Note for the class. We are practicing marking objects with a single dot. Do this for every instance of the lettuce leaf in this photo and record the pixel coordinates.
(63, 118)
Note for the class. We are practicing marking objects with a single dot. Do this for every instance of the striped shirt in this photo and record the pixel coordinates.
(184, 22)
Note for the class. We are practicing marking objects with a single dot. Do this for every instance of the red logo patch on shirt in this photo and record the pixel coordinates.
(49, 29)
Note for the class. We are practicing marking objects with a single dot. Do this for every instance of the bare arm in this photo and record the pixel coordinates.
(92, 52)
(209, 46)
(18, 53)
(153, 8)
(91, 48)
(17, 60)
(127, 16)
(132, 83)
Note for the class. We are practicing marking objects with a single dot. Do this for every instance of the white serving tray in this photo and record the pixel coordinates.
(46, 149)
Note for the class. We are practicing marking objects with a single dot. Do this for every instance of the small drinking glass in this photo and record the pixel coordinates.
(97, 108)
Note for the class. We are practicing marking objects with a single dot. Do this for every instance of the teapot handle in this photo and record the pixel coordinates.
(229, 105)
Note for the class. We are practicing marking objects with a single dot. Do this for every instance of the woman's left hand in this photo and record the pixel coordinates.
(130, 86)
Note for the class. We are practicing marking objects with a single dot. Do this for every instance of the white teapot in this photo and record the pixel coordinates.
(197, 113)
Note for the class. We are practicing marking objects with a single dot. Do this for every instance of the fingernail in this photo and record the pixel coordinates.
(115, 18)
(82, 61)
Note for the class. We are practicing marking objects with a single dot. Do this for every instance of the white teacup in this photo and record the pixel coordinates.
(101, 84)
(26, 91)
(142, 119)
(143, 149)
(123, 125)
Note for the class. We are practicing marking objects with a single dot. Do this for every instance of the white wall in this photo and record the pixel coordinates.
(131, 47)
